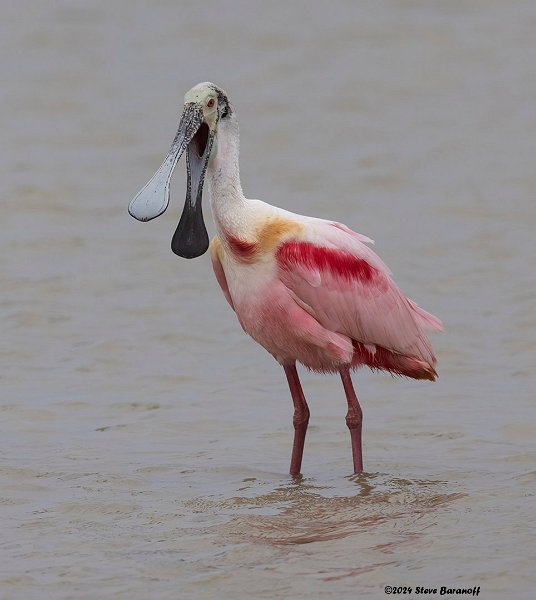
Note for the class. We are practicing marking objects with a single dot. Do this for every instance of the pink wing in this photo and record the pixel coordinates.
(348, 289)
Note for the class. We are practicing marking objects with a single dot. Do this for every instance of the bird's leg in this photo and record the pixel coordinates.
(300, 419)
(354, 419)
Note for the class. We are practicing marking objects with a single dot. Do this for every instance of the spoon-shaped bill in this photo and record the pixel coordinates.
(190, 239)
(153, 199)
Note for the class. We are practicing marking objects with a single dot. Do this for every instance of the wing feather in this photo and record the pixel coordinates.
(350, 291)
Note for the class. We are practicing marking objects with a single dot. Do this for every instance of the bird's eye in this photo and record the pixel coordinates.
(211, 102)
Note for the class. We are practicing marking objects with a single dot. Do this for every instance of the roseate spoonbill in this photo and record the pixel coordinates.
(307, 289)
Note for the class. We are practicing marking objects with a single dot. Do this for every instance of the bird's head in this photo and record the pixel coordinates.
(204, 106)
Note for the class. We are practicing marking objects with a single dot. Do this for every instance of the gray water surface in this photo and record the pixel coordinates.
(145, 438)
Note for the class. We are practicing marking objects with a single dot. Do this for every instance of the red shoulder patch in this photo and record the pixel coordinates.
(242, 250)
(322, 258)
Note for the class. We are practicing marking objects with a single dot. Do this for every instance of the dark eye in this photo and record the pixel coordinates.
(211, 102)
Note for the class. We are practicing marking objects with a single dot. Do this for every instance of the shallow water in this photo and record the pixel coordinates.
(145, 438)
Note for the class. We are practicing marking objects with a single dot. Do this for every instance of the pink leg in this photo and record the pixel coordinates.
(300, 419)
(354, 419)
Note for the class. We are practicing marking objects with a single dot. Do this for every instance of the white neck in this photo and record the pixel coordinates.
(226, 197)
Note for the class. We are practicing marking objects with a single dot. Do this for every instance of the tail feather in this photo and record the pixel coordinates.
(397, 364)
